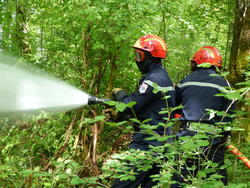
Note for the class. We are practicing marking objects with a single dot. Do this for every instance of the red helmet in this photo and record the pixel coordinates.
(153, 44)
(208, 54)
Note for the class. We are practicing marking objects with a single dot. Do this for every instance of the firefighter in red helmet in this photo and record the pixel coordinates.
(149, 49)
(149, 52)
(208, 54)
(198, 93)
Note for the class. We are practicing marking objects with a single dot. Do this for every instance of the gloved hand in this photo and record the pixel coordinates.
(115, 91)
(110, 114)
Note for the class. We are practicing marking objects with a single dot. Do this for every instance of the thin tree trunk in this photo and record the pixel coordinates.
(239, 60)
(240, 52)
(113, 69)
(21, 29)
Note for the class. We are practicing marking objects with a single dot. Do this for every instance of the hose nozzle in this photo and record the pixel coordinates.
(95, 100)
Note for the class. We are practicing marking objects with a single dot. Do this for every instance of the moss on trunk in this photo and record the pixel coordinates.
(239, 60)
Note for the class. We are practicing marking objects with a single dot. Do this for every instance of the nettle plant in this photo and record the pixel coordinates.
(174, 153)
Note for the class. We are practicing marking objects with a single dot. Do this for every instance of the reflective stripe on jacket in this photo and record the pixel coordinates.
(197, 93)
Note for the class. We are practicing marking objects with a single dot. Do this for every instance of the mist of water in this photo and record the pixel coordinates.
(25, 90)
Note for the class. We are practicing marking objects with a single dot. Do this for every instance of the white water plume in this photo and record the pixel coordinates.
(24, 90)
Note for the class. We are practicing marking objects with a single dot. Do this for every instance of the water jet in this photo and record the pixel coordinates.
(25, 89)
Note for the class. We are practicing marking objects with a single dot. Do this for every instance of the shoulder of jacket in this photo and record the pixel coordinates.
(222, 81)
(188, 77)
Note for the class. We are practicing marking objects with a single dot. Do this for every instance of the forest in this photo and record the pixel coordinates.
(88, 46)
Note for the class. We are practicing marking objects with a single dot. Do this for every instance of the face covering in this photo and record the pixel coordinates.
(144, 65)
(144, 60)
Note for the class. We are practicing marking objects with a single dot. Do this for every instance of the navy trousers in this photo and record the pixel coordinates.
(213, 152)
(143, 178)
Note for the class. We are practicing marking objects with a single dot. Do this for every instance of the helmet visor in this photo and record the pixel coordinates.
(139, 55)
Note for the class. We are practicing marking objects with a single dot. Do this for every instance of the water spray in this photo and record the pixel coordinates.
(30, 89)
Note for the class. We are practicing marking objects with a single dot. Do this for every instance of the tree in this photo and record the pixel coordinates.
(240, 52)
(88, 44)
(240, 55)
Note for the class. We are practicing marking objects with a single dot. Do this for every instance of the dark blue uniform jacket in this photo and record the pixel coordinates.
(196, 93)
(149, 104)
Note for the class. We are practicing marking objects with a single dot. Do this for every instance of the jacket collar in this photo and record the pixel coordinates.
(154, 66)
(207, 70)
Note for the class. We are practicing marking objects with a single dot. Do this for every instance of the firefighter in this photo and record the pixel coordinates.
(197, 93)
(149, 52)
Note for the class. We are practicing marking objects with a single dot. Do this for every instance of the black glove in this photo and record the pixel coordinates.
(118, 94)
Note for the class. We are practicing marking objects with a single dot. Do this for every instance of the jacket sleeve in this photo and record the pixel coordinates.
(143, 96)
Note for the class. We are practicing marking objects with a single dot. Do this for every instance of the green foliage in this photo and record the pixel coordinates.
(173, 155)
(88, 44)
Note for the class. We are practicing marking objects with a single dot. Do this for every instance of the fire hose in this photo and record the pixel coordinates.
(232, 149)
(239, 155)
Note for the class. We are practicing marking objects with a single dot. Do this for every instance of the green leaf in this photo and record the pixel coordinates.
(99, 118)
(131, 104)
(41, 174)
(125, 178)
(204, 65)
(202, 143)
(76, 181)
(121, 107)
(110, 103)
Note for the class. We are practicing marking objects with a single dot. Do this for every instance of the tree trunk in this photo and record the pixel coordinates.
(240, 55)
(21, 29)
(240, 52)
